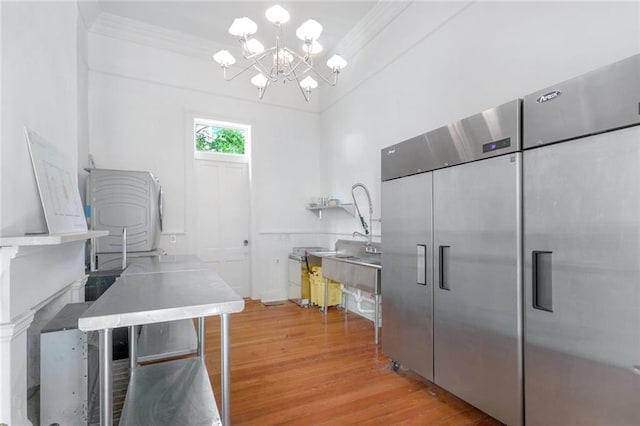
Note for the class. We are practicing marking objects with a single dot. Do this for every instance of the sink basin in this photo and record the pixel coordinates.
(366, 261)
(354, 271)
(376, 262)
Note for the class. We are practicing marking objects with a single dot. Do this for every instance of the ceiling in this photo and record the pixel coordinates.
(211, 19)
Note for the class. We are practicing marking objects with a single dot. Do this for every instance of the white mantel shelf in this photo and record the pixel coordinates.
(49, 239)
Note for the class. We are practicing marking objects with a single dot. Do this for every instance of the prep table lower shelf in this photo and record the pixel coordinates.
(170, 393)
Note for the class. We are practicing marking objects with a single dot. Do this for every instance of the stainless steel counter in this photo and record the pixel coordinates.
(150, 298)
(159, 264)
(164, 289)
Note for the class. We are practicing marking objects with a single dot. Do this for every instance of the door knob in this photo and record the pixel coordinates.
(245, 243)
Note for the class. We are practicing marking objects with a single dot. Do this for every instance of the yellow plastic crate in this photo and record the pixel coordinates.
(306, 287)
(317, 289)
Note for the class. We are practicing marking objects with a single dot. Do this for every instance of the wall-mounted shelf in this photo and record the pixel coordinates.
(346, 207)
(49, 239)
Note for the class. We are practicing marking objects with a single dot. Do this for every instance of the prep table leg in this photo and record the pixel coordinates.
(326, 295)
(106, 396)
(226, 369)
(133, 348)
(201, 337)
(376, 319)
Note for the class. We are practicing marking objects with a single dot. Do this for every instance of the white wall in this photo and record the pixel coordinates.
(142, 98)
(40, 89)
(82, 48)
(452, 60)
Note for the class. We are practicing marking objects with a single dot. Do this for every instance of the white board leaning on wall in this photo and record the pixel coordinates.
(55, 176)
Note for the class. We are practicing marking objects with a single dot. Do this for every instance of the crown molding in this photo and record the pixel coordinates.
(130, 30)
(376, 20)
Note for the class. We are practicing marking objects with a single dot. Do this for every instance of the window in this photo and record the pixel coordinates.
(218, 140)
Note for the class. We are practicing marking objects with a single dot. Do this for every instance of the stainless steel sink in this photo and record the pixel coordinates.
(354, 271)
(356, 267)
(372, 262)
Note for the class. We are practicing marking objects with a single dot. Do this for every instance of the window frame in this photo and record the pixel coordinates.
(221, 156)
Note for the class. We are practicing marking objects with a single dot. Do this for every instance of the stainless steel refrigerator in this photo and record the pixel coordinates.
(451, 232)
(407, 272)
(582, 249)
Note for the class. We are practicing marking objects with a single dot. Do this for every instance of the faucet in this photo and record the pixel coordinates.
(369, 248)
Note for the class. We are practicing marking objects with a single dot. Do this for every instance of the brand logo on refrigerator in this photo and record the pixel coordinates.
(549, 96)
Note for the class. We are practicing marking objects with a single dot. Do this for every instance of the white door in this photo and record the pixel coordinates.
(222, 220)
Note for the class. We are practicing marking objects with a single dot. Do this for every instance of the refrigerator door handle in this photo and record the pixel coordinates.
(160, 206)
(541, 281)
(421, 256)
(444, 268)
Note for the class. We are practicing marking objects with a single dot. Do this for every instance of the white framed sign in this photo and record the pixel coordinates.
(56, 180)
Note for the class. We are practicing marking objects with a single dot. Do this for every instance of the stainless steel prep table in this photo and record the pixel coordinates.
(168, 339)
(158, 297)
(166, 263)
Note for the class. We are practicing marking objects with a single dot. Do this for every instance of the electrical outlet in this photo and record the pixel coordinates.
(172, 239)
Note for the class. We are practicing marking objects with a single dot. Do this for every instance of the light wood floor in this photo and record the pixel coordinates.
(290, 366)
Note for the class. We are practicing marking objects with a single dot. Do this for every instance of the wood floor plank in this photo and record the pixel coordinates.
(294, 366)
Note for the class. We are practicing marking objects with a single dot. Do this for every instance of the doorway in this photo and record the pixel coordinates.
(221, 200)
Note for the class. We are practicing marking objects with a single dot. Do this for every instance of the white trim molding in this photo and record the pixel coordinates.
(7, 254)
(126, 29)
(10, 330)
(380, 15)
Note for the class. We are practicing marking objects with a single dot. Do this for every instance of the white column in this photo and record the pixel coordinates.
(76, 290)
(13, 370)
(16, 318)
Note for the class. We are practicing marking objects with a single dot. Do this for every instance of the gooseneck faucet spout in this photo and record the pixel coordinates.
(365, 225)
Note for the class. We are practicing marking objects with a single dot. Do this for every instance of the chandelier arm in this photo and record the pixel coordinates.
(304, 60)
(224, 71)
(291, 74)
(297, 55)
(261, 91)
(305, 93)
(259, 66)
(329, 82)
(258, 56)
(316, 72)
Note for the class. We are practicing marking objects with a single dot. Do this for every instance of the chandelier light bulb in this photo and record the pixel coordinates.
(254, 46)
(312, 48)
(243, 27)
(260, 81)
(277, 15)
(224, 58)
(336, 63)
(282, 58)
(308, 83)
(309, 30)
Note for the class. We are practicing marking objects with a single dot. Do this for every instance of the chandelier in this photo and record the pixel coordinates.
(280, 63)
